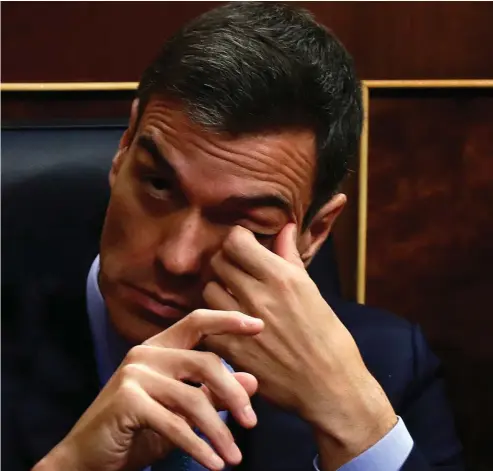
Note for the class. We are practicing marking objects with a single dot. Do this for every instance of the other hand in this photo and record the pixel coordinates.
(146, 409)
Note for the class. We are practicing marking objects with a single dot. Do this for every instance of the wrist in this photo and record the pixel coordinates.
(354, 423)
(337, 451)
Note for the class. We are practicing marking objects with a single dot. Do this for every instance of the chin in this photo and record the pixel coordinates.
(134, 327)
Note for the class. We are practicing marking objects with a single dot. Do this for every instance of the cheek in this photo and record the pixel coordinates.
(130, 237)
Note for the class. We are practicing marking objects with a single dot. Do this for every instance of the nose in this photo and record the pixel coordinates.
(186, 243)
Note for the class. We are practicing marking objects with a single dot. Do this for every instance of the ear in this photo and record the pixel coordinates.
(125, 142)
(317, 232)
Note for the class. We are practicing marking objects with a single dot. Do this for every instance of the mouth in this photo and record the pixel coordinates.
(154, 308)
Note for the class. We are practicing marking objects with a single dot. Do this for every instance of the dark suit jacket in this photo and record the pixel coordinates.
(49, 378)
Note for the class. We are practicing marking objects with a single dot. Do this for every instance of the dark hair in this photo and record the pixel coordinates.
(257, 67)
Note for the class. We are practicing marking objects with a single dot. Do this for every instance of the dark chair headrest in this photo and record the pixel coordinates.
(54, 195)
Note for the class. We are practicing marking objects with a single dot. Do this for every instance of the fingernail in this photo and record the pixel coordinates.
(252, 322)
(215, 462)
(250, 415)
(235, 454)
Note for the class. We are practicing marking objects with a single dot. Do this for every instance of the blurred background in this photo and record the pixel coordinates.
(428, 215)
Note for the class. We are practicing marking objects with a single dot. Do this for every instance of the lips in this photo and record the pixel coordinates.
(155, 305)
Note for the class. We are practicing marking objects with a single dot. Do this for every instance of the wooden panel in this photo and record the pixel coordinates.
(114, 41)
(49, 107)
(87, 41)
(413, 40)
(346, 237)
(430, 236)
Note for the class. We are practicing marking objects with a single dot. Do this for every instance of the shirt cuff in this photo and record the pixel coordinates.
(388, 454)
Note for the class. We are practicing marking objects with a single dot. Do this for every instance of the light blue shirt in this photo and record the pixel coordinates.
(389, 454)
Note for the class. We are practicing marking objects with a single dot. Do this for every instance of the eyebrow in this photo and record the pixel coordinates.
(148, 144)
(256, 201)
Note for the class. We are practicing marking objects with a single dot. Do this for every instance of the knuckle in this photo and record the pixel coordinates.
(223, 434)
(204, 363)
(195, 399)
(211, 360)
(128, 392)
(131, 371)
(196, 318)
(284, 284)
(176, 426)
(288, 281)
(135, 354)
(262, 303)
(238, 315)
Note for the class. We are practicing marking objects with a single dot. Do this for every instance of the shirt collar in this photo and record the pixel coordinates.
(109, 347)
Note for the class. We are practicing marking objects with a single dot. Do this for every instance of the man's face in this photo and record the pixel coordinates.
(176, 192)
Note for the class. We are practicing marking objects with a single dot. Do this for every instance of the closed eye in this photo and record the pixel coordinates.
(159, 183)
(262, 237)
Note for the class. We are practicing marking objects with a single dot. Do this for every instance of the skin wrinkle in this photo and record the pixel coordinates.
(230, 166)
(223, 151)
(158, 124)
(258, 211)
(300, 157)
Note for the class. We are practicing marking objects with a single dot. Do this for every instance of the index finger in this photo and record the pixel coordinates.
(242, 248)
(188, 332)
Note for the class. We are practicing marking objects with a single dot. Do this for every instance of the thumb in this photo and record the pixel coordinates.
(285, 245)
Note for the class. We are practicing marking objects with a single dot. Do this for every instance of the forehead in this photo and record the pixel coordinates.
(282, 161)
